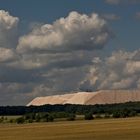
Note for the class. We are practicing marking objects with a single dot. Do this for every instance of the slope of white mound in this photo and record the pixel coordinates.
(90, 98)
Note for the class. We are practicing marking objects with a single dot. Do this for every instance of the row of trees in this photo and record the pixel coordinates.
(50, 117)
(71, 109)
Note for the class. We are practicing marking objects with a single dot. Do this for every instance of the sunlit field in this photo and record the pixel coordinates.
(104, 129)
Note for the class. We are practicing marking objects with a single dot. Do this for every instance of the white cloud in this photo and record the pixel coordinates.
(8, 30)
(7, 55)
(51, 55)
(29, 62)
(75, 32)
(119, 71)
(62, 57)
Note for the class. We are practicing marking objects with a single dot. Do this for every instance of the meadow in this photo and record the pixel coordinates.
(99, 129)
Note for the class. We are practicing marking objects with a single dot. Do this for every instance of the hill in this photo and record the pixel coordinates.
(90, 98)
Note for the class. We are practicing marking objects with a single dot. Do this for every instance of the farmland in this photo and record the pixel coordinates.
(99, 129)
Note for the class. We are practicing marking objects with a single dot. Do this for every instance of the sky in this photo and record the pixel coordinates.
(50, 47)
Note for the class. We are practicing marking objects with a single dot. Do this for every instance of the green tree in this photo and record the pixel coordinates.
(30, 121)
(116, 114)
(11, 120)
(71, 117)
(89, 116)
(1, 119)
(132, 113)
(20, 120)
(37, 117)
(50, 118)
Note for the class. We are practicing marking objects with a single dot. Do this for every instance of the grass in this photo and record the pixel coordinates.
(104, 129)
(11, 117)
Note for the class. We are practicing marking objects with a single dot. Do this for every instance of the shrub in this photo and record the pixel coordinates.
(44, 115)
(132, 114)
(20, 120)
(50, 118)
(1, 119)
(30, 121)
(37, 117)
(89, 116)
(116, 114)
(60, 114)
(30, 116)
(71, 117)
(11, 121)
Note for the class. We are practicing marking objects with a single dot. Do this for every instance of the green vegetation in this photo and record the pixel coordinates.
(89, 116)
(98, 129)
(71, 117)
(56, 122)
(20, 120)
(62, 116)
(68, 112)
(124, 113)
(63, 110)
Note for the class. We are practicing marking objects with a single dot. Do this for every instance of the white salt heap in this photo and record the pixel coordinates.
(90, 98)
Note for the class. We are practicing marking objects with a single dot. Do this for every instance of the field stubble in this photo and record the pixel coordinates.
(105, 129)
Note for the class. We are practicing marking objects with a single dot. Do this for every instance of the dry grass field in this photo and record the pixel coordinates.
(104, 129)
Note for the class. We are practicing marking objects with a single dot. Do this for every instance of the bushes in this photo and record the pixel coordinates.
(50, 118)
(37, 117)
(132, 114)
(116, 114)
(30, 116)
(71, 117)
(60, 114)
(89, 116)
(1, 119)
(20, 120)
(124, 113)
(11, 120)
(30, 121)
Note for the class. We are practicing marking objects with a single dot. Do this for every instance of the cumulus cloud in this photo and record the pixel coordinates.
(7, 55)
(8, 30)
(50, 55)
(62, 57)
(75, 32)
(119, 71)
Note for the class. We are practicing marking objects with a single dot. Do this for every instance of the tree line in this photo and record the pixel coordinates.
(49, 113)
(71, 109)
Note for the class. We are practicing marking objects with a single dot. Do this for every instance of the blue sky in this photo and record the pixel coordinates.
(67, 55)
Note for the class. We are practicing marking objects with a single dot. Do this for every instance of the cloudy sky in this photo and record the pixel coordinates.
(50, 47)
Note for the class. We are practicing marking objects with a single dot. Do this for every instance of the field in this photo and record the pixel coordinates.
(104, 129)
